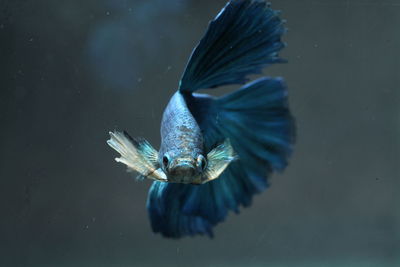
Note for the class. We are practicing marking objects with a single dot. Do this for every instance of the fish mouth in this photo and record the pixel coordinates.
(182, 169)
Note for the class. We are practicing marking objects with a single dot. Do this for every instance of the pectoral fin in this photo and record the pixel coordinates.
(138, 155)
(218, 159)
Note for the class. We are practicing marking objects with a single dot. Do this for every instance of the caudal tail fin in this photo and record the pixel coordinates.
(257, 120)
(243, 38)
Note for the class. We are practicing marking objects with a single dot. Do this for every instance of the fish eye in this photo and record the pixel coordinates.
(201, 162)
(165, 161)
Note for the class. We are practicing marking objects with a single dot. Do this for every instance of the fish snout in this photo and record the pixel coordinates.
(182, 170)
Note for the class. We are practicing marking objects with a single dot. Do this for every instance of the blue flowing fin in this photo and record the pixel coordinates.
(257, 121)
(164, 205)
(243, 38)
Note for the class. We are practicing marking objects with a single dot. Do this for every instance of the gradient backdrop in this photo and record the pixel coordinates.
(70, 71)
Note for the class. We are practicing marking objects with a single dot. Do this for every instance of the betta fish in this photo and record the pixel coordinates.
(217, 152)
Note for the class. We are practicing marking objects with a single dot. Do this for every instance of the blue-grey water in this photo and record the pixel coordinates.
(73, 70)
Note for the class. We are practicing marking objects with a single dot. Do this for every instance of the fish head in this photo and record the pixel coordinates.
(187, 169)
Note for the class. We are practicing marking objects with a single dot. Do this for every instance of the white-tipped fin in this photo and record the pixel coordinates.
(138, 155)
(218, 159)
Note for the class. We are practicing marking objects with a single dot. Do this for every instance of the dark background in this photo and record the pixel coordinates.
(70, 71)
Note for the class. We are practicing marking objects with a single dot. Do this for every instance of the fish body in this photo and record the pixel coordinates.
(217, 152)
(182, 145)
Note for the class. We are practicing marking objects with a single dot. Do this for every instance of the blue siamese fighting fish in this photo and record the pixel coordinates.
(217, 152)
